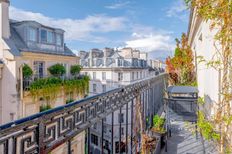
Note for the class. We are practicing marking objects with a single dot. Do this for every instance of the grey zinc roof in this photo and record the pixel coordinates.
(182, 89)
(13, 49)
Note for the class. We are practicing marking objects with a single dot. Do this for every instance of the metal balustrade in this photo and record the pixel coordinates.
(43, 132)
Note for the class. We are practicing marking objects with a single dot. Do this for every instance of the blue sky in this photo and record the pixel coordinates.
(148, 25)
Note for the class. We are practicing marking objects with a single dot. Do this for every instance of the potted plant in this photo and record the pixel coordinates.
(75, 70)
(158, 129)
(27, 71)
(57, 70)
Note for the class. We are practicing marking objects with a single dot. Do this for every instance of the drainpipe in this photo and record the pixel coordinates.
(1, 115)
(21, 89)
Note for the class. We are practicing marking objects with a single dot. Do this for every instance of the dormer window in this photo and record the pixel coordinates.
(32, 34)
(43, 35)
(47, 36)
(50, 37)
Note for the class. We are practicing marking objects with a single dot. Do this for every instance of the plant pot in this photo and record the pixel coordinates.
(161, 137)
(155, 150)
(158, 147)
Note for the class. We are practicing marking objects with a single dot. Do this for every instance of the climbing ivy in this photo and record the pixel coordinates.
(206, 128)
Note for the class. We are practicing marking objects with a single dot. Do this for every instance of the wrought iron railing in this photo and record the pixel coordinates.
(42, 132)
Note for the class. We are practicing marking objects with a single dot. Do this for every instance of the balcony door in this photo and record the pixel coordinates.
(39, 69)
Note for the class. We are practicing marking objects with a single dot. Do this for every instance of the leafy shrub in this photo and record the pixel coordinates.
(158, 123)
(75, 69)
(57, 70)
(27, 71)
(45, 107)
(69, 101)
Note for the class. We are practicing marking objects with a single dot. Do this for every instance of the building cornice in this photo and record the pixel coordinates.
(194, 23)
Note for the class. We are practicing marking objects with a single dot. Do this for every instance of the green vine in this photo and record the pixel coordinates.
(206, 128)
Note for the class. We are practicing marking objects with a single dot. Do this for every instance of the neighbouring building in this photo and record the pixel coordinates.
(155, 63)
(109, 69)
(39, 46)
(202, 42)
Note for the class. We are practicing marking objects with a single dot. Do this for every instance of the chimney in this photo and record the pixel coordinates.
(4, 19)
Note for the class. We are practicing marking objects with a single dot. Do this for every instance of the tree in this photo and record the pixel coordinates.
(27, 71)
(57, 70)
(181, 67)
(75, 70)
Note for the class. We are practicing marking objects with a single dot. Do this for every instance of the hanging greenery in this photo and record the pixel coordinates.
(75, 70)
(48, 88)
(27, 71)
(57, 70)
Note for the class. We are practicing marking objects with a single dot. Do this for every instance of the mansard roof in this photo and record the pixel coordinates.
(17, 44)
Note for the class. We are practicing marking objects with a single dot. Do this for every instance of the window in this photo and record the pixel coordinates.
(120, 62)
(47, 36)
(43, 35)
(32, 34)
(120, 76)
(137, 75)
(50, 37)
(103, 75)
(122, 131)
(12, 116)
(95, 126)
(94, 75)
(140, 75)
(59, 40)
(103, 88)
(120, 118)
(122, 146)
(94, 88)
(133, 75)
(39, 69)
(104, 129)
(94, 139)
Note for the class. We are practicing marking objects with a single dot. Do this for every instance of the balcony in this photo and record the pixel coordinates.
(141, 100)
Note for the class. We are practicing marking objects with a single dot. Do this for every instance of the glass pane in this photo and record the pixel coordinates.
(59, 39)
(43, 35)
(50, 37)
(32, 34)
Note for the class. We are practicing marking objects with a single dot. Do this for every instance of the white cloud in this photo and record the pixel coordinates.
(178, 10)
(118, 5)
(150, 40)
(76, 29)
